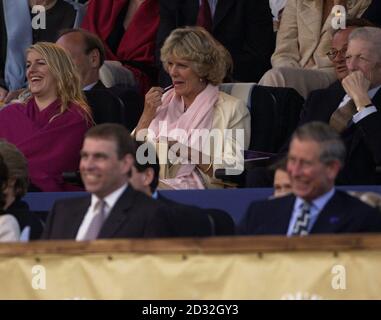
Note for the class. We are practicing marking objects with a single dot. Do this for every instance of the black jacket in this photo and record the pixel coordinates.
(362, 140)
(134, 215)
(244, 27)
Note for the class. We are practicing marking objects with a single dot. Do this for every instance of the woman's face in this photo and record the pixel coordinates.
(40, 79)
(185, 81)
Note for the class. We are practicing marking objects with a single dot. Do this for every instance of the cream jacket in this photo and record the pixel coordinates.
(229, 113)
(302, 40)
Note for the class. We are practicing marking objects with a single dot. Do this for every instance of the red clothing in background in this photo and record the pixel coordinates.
(138, 42)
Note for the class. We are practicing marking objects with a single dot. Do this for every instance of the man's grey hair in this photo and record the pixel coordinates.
(369, 34)
(332, 147)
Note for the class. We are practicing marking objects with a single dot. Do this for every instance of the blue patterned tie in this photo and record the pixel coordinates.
(303, 221)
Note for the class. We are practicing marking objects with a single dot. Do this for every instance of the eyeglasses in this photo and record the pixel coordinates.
(332, 54)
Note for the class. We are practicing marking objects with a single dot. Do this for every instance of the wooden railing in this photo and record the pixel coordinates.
(199, 245)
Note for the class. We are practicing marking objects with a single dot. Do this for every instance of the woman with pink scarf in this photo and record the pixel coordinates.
(197, 128)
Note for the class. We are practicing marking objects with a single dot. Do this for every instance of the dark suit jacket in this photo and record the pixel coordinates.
(342, 214)
(20, 210)
(134, 216)
(362, 140)
(186, 220)
(373, 13)
(125, 104)
(244, 27)
(320, 104)
(192, 221)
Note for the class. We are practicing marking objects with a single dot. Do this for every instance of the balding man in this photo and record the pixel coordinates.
(88, 53)
(359, 90)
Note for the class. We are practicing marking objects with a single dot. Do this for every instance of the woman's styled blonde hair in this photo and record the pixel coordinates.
(209, 59)
(65, 73)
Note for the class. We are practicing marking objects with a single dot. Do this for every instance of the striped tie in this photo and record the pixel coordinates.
(342, 116)
(97, 222)
(303, 221)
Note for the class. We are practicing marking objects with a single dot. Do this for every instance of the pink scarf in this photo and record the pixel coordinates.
(171, 116)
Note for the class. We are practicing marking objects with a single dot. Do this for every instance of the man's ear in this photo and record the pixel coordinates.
(333, 169)
(95, 58)
(128, 162)
(149, 175)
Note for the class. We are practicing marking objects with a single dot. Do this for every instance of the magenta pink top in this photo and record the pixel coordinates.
(50, 144)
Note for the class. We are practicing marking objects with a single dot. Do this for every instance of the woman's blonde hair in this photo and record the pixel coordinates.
(65, 73)
(209, 59)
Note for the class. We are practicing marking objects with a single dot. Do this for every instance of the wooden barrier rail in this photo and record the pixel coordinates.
(313, 267)
(198, 245)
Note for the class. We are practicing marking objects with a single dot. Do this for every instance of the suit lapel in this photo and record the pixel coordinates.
(76, 218)
(377, 99)
(119, 214)
(338, 93)
(327, 24)
(330, 218)
(189, 9)
(280, 217)
(311, 15)
(355, 136)
(284, 219)
(222, 9)
(99, 86)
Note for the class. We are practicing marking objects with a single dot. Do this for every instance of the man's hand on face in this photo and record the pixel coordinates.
(357, 87)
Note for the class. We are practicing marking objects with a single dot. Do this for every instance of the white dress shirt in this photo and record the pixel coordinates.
(89, 86)
(9, 228)
(109, 200)
(276, 6)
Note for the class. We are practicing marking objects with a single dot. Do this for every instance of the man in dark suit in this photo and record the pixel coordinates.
(314, 160)
(118, 104)
(373, 13)
(114, 209)
(187, 220)
(359, 81)
(244, 27)
(334, 94)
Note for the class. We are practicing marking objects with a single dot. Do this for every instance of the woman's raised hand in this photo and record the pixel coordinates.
(153, 100)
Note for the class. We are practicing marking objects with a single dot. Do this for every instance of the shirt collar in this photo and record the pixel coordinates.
(110, 199)
(372, 92)
(89, 86)
(155, 195)
(317, 203)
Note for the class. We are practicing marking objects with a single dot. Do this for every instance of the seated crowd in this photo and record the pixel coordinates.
(128, 95)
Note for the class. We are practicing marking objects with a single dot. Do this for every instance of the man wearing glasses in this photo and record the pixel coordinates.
(351, 105)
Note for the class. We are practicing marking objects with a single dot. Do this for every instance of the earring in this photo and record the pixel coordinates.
(201, 80)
